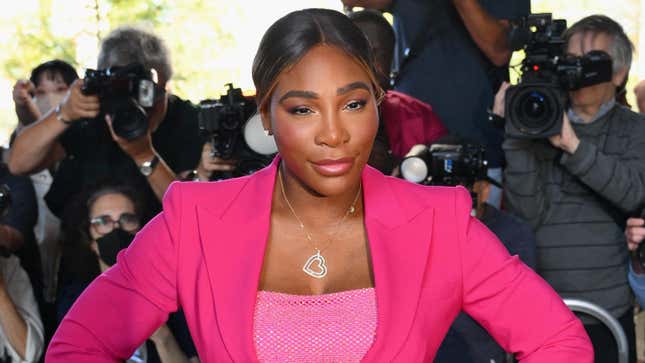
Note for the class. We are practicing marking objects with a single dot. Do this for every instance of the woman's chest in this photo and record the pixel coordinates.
(316, 262)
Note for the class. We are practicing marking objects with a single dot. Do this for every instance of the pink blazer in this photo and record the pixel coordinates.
(431, 259)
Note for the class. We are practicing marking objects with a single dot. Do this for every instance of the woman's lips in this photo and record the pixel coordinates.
(333, 167)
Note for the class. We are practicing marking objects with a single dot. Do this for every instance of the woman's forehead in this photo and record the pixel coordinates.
(323, 67)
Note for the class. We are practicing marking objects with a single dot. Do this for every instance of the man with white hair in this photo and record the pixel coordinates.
(87, 146)
(578, 188)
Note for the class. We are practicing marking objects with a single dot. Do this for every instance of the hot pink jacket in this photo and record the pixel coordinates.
(430, 260)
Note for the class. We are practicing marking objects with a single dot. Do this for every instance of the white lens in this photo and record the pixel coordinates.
(414, 169)
(257, 139)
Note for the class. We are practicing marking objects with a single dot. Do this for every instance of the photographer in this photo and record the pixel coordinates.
(576, 188)
(87, 145)
(44, 89)
(453, 55)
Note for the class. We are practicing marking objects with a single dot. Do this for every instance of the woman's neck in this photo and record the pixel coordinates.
(312, 209)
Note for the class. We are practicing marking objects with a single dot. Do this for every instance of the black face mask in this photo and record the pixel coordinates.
(112, 243)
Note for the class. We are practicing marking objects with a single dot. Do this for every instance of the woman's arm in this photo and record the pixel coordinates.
(515, 305)
(126, 304)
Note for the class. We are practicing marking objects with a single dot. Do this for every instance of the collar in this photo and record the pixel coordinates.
(604, 109)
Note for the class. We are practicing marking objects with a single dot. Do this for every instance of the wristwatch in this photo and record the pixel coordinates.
(59, 115)
(147, 167)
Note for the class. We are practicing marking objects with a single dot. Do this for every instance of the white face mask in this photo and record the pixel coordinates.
(47, 101)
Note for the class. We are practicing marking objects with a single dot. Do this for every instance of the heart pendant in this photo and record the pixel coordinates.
(320, 271)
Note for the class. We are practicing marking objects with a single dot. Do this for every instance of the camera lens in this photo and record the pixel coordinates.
(534, 106)
(129, 120)
(535, 109)
(414, 169)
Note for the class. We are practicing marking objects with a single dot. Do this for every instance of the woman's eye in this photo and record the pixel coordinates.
(300, 111)
(355, 105)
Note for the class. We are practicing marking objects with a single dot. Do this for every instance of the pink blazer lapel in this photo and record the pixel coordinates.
(399, 232)
(233, 242)
(233, 239)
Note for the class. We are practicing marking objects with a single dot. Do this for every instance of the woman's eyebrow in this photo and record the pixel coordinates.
(314, 95)
(300, 94)
(352, 86)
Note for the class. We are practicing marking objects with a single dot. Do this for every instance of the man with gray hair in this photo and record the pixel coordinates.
(89, 150)
(578, 188)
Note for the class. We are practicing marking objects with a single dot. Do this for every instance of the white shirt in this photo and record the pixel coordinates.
(21, 293)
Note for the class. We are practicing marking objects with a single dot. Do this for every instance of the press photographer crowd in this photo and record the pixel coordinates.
(554, 165)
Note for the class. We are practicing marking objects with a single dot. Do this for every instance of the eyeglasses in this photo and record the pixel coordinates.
(104, 224)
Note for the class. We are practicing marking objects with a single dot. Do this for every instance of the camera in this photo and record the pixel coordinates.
(445, 164)
(234, 129)
(126, 94)
(535, 106)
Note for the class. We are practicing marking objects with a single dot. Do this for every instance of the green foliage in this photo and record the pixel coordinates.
(150, 12)
(34, 43)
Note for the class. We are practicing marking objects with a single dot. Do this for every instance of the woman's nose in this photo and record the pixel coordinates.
(332, 132)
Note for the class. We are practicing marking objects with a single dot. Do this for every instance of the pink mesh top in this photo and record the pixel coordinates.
(337, 327)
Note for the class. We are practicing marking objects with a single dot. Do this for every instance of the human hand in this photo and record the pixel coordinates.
(499, 105)
(634, 232)
(567, 140)
(76, 105)
(22, 91)
(139, 149)
(26, 109)
(208, 164)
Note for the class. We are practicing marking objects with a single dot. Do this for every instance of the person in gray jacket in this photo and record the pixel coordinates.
(577, 188)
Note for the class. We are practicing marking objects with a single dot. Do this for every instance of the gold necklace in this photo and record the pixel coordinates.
(317, 257)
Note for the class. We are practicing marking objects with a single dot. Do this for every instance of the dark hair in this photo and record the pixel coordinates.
(620, 49)
(79, 263)
(53, 67)
(292, 36)
(380, 34)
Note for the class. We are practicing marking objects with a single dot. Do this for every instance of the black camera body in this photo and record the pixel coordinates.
(535, 106)
(225, 122)
(126, 94)
(445, 164)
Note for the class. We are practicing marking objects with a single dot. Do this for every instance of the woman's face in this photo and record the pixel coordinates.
(324, 117)
(110, 211)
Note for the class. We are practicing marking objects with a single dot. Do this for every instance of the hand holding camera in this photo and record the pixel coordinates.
(535, 106)
(76, 105)
(139, 149)
(209, 163)
(567, 140)
(127, 94)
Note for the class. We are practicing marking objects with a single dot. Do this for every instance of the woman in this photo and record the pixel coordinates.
(317, 257)
(103, 223)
